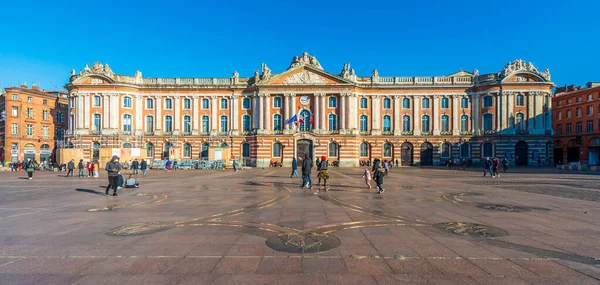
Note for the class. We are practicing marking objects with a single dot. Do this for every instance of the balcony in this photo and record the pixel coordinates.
(126, 133)
(333, 132)
(95, 132)
(407, 133)
(521, 132)
(446, 133)
(489, 132)
(364, 133)
(186, 133)
(278, 132)
(425, 134)
(387, 133)
(148, 133)
(466, 133)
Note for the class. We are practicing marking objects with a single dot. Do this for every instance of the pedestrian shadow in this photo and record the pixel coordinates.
(90, 191)
(26, 178)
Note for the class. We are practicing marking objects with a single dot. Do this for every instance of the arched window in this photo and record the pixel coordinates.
(96, 150)
(464, 103)
(277, 102)
(97, 101)
(364, 123)
(464, 123)
(305, 117)
(224, 124)
(387, 103)
(168, 104)
(364, 103)
(149, 103)
(387, 123)
(405, 103)
(519, 121)
(245, 150)
(187, 150)
(364, 149)
(425, 123)
(445, 123)
(187, 124)
(333, 149)
(149, 150)
(224, 104)
(387, 150)
(277, 149)
(187, 103)
(425, 103)
(246, 103)
(168, 123)
(488, 122)
(446, 150)
(246, 123)
(97, 122)
(488, 101)
(126, 102)
(406, 123)
(520, 100)
(205, 104)
(277, 126)
(204, 150)
(487, 150)
(205, 124)
(332, 122)
(127, 145)
(332, 102)
(127, 123)
(465, 150)
(149, 124)
(445, 103)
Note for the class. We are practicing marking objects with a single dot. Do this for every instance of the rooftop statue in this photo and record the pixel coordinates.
(305, 59)
(521, 65)
(266, 71)
(235, 74)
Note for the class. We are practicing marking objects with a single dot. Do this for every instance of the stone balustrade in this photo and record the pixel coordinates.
(422, 80)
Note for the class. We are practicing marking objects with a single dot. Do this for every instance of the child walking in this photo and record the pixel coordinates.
(367, 177)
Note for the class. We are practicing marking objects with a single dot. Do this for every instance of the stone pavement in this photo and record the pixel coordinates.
(431, 226)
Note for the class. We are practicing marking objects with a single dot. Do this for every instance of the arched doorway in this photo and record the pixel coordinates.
(29, 151)
(521, 149)
(45, 153)
(96, 151)
(166, 150)
(204, 151)
(365, 151)
(388, 151)
(572, 152)
(304, 147)
(426, 154)
(407, 154)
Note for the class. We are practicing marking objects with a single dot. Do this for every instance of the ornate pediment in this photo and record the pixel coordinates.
(305, 59)
(304, 77)
(520, 65)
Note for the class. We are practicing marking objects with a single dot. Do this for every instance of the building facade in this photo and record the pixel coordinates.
(348, 118)
(577, 124)
(34, 123)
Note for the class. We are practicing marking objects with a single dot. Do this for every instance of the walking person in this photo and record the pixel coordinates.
(495, 165)
(90, 168)
(81, 167)
(168, 165)
(234, 164)
(306, 169)
(70, 167)
(113, 168)
(505, 164)
(294, 168)
(135, 165)
(96, 168)
(144, 166)
(367, 177)
(378, 173)
(29, 166)
(396, 163)
(323, 172)
(487, 166)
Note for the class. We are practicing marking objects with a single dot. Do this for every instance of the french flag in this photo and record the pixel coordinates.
(293, 119)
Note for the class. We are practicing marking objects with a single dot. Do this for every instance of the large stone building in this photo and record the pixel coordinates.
(34, 121)
(422, 120)
(577, 124)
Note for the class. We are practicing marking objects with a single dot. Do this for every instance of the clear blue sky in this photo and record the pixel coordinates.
(41, 41)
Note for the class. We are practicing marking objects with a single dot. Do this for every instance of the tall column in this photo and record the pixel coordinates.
(455, 117)
(195, 115)
(353, 113)
(375, 115)
(267, 111)
(530, 112)
(510, 116)
(323, 112)
(416, 118)
(177, 117)
(539, 112)
(436, 115)
(317, 113)
(158, 119)
(87, 111)
(138, 114)
(475, 114)
(286, 111)
(235, 117)
(499, 109)
(261, 112)
(548, 113)
(214, 121)
(343, 113)
(293, 110)
(256, 111)
(105, 111)
(397, 127)
(79, 112)
(114, 111)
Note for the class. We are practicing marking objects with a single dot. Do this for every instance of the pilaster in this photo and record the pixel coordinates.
(436, 115)
(397, 126)
(455, 116)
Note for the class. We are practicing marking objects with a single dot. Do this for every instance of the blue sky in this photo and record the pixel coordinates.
(41, 41)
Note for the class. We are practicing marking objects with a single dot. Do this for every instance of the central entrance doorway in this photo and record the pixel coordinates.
(304, 147)
(521, 150)
(426, 154)
(407, 154)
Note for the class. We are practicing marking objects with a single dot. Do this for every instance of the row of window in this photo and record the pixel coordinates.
(590, 97)
(29, 99)
(578, 112)
(578, 128)
(29, 130)
(30, 114)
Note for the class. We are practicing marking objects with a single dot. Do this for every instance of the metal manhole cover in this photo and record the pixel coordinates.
(302, 242)
(508, 208)
(470, 229)
(139, 229)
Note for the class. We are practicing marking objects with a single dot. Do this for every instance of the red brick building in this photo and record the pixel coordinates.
(576, 122)
(34, 120)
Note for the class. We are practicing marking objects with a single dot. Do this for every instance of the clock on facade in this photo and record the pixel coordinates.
(304, 100)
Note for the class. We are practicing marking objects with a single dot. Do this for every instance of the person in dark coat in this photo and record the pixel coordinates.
(144, 166)
(378, 173)
(294, 168)
(306, 168)
(70, 167)
(135, 165)
(113, 167)
(29, 166)
(81, 167)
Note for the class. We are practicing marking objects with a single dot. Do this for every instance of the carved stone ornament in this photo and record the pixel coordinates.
(521, 65)
(304, 77)
(305, 59)
(97, 68)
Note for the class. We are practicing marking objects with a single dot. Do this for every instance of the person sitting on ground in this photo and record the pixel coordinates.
(131, 183)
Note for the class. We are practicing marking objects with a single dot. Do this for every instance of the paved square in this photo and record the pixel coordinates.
(431, 226)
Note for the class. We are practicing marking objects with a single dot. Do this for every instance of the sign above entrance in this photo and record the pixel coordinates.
(304, 100)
